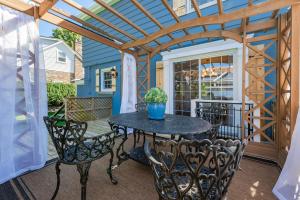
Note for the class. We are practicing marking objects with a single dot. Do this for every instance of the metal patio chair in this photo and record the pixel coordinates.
(200, 169)
(214, 114)
(73, 148)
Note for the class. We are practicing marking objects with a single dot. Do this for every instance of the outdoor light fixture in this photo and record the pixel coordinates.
(114, 73)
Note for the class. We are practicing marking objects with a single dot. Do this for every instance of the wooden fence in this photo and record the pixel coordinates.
(88, 108)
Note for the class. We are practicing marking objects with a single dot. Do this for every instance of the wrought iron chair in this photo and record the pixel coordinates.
(216, 115)
(200, 169)
(73, 148)
(141, 107)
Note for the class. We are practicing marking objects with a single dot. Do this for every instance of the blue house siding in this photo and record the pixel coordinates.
(97, 55)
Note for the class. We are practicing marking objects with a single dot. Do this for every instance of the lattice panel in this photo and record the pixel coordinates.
(143, 76)
(88, 109)
(285, 84)
(260, 90)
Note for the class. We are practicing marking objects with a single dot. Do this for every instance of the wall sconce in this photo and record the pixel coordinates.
(114, 73)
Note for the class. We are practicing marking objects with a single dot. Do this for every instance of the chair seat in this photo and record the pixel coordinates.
(84, 153)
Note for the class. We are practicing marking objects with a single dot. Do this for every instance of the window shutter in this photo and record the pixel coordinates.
(160, 74)
(97, 80)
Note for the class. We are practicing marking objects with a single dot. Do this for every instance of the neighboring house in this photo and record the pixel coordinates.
(62, 63)
(203, 69)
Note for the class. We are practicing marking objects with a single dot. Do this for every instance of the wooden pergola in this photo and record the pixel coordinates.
(285, 64)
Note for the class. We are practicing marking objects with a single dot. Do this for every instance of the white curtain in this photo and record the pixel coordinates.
(23, 98)
(288, 183)
(129, 97)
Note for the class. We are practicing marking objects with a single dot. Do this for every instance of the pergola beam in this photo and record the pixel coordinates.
(221, 10)
(84, 23)
(209, 34)
(198, 11)
(101, 20)
(219, 19)
(231, 34)
(172, 12)
(58, 21)
(146, 13)
(45, 6)
(19, 6)
(112, 10)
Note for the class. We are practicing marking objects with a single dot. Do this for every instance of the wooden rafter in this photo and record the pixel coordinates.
(58, 21)
(97, 29)
(207, 34)
(45, 6)
(146, 13)
(225, 17)
(18, 5)
(172, 12)
(115, 12)
(230, 34)
(96, 17)
(198, 11)
(221, 10)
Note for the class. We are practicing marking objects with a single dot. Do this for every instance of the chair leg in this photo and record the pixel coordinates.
(57, 169)
(83, 170)
(109, 169)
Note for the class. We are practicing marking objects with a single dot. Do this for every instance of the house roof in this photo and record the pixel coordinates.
(57, 42)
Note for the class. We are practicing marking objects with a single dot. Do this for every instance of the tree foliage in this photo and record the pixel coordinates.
(69, 37)
(58, 91)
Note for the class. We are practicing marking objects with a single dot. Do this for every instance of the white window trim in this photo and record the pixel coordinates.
(216, 48)
(107, 69)
(57, 55)
(190, 8)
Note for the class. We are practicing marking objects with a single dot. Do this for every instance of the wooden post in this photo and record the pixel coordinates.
(295, 55)
(148, 70)
(243, 78)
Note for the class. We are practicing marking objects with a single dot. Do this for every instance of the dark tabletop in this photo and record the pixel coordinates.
(172, 124)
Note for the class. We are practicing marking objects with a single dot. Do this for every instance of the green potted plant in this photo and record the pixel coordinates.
(156, 100)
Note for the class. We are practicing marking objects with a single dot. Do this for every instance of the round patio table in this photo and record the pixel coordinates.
(140, 123)
(171, 125)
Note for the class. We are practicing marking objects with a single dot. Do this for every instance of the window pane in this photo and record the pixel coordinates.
(186, 85)
(217, 78)
(61, 56)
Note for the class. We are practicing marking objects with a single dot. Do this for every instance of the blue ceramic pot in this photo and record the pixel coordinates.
(156, 111)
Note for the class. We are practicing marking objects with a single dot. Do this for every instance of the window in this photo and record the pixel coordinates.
(182, 7)
(206, 78)
(217, 78)
(61, 56)
(107, 81)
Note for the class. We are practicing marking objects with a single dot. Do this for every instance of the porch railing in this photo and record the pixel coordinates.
(231, 118)
(88, 108)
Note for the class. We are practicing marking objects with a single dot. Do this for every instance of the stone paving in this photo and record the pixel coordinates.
(94, 127)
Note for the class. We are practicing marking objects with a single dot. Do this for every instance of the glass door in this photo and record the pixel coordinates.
(186, 85)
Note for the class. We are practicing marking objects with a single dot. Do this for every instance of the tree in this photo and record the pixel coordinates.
(68, 36)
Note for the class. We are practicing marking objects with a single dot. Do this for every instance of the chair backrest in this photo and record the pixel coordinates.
(141, 107)
(65, 133)
(216, 113)
(194, 169)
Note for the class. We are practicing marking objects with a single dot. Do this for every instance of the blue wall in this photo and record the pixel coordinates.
(97, 55)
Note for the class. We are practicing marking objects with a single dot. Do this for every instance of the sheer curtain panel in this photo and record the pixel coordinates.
(23, 98)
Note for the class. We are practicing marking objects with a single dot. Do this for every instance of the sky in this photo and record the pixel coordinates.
(46, 28)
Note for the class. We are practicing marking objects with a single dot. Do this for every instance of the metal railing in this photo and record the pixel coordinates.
(231, 115)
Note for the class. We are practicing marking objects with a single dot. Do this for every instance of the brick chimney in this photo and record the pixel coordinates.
(78, 71)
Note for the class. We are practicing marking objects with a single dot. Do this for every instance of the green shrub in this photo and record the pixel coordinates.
(156, 95)
(58, 91)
